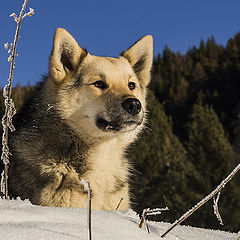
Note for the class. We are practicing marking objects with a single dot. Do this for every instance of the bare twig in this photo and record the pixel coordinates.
(120, 201)
(9, 104)
(143, 217)
(146, 212)
(147, 227)
(215, 208)
(88, 189)
(204, 200)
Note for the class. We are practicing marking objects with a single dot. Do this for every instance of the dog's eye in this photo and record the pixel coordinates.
(131, 85)
(100, 84)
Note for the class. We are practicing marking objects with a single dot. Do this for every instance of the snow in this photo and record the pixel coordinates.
(22, 220)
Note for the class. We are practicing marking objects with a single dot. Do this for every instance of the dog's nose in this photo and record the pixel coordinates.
(132, 105)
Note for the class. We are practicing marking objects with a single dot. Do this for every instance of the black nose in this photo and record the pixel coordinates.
(132, 105)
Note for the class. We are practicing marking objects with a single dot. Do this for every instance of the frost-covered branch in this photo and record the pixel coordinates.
(215, 208)
(87, 188)
(9, 103)
(147, 211)
(204, 200)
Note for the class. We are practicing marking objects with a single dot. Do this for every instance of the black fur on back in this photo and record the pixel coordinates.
(42, 137)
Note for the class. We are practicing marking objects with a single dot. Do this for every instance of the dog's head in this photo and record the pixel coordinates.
(100, 96)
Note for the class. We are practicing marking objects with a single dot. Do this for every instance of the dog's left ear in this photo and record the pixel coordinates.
(66, 55)
(140, 57)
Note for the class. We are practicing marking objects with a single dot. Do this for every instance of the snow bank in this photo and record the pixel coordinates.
(22, 220)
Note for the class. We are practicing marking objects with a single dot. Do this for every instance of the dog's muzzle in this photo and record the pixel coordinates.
(126, 119)
(116, 126)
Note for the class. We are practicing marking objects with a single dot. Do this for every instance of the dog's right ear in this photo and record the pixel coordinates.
(140, 57)
(66, 55)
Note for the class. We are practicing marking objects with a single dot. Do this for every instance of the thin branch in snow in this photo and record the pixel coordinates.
(147, 212)
(143, 217)
(121, 199)
(204, 200)
(9, 103)
(215, 208)
(88, 189)
(2, 182)
(147, 227)
(156, 211)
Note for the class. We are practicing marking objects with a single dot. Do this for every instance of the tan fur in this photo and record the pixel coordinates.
(62, 40)
(107, 168)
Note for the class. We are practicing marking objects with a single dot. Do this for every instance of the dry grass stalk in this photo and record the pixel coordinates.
(9, 104)
(87, 188)
(121, 199)
(143, 217)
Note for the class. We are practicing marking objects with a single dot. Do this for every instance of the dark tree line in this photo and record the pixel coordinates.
(192, 139)
(194, 135)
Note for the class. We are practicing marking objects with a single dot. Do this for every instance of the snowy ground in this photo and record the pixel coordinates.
(22, 220)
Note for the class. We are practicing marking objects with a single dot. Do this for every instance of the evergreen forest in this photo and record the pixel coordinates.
(192, 137)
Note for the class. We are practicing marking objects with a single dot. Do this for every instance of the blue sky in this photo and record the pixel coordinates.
(107, 27)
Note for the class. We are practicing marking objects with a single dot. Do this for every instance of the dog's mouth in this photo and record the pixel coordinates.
(116, 126)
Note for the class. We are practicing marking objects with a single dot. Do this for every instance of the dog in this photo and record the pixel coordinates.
(78, 125)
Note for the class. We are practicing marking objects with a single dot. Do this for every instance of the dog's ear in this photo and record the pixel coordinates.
(140, 57)
(66, 55)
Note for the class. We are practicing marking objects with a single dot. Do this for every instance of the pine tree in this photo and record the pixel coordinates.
(212, 155)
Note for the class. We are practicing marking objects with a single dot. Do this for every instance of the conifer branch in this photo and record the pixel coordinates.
(204, 200)
(9, 103)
